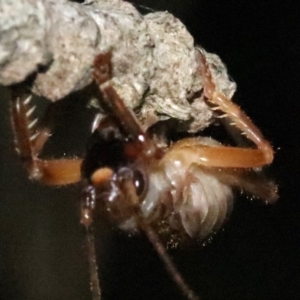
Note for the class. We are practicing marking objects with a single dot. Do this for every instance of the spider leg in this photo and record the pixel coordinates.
(102, 75)
(241, 157)
(169, 264)
(30, 141)
(233, 166)
(130, 190)
(203, 152)
(93, 268)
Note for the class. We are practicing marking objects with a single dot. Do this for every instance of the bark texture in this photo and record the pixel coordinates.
(154, 64)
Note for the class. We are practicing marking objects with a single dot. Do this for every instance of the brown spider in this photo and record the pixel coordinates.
(141, 183)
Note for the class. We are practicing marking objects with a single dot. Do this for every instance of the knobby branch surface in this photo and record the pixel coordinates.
(154, 56)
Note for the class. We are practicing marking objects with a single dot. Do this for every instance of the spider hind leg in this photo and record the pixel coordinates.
(261, 156)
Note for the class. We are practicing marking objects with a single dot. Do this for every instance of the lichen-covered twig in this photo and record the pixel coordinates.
(154, 60)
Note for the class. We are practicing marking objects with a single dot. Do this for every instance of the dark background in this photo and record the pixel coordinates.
(255, 256)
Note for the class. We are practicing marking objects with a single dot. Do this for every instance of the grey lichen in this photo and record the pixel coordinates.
(154, 56)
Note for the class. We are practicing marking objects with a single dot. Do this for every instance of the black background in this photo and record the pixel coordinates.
(255, 256)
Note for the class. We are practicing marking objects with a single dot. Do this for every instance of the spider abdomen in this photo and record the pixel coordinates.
(183, 191)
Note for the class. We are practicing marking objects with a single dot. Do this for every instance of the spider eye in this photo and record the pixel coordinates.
(137, 176)
(140, 182)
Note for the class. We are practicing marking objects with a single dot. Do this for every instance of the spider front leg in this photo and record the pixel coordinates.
(233, 156)
(30, 142)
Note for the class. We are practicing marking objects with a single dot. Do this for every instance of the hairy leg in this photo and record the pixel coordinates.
(258, 157)
(30, 141)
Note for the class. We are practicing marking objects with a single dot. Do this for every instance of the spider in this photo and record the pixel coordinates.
(142, 183)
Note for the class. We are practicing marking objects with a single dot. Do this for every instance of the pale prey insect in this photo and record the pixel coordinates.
(143, 183)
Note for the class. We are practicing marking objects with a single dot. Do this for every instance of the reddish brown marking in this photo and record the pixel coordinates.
(103, 67)
(133, 150)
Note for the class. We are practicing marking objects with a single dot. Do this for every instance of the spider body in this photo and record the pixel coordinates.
(142, 183)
